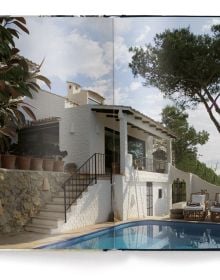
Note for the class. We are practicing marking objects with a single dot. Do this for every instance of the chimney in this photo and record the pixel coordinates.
(72, 88)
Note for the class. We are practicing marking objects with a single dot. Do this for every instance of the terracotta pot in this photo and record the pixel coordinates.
(58, 166)
(23, 162)
(8, 161)
(36, 164)
(48, 164)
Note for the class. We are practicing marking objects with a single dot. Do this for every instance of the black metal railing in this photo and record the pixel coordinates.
(85, 175)
(151, 165)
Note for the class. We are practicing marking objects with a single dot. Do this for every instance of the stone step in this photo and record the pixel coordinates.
(54, 207)
(44, 221)
(52, 202)
(51, 214)
(38, 229)
(42, 226)
(82, 179)
(46, 215)
(68, 194)
(78, 188)
(60, 199)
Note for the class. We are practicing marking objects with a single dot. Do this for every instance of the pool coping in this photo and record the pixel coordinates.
(50, 239)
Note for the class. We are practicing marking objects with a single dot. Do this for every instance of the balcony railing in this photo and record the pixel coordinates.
(151, 165)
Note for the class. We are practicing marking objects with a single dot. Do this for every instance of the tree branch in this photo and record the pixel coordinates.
(212, 117)
(213, 101)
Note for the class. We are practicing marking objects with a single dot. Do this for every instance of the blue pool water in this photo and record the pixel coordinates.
(148, 235)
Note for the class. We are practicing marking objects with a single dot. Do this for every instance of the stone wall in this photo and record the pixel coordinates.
(22, 193)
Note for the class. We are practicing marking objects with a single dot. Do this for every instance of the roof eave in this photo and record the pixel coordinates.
(129, 110)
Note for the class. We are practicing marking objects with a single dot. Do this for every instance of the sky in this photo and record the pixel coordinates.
(93, 52)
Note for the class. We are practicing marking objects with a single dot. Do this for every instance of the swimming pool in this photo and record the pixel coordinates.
(148, 235)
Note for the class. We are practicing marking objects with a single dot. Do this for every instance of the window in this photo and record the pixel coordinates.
(149, 198)
(136, 147)
(92, 101)
(160, 193)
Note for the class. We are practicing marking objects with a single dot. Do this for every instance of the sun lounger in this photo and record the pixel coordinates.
(197, 208)
(215, 209)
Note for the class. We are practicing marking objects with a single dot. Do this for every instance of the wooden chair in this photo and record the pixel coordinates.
(215, 209)
(197, 208)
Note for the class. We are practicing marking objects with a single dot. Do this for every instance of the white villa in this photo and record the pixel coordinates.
(107, 138)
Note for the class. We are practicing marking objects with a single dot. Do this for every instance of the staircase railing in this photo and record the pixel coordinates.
(84, 176)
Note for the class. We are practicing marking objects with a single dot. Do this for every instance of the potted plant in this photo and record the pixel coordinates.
(23, 161)
(34, 155)
(48, 164)
(8, 161)
(59, 163)
(36, 164)
(52, 157)
(48, 156)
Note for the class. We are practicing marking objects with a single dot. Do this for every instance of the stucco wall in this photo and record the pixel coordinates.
(22, 193)
(130, 197)
(81, 133)
(93, 207)
(161, 205)
(193, 183)
(80, 98)
(198, 184)
(46, 104)
(74, 136)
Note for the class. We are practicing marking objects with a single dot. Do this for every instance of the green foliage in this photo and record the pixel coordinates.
(193, 165)
(187, 137)
(18, 78)
(185, 146)
(184, 66)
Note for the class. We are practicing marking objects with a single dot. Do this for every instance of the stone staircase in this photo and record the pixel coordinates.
(58, 214)
(51, 216)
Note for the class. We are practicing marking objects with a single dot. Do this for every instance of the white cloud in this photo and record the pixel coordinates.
(135, 85)
(141, 39)
(67, 54)
(200, 120)
(151, 99)
(122, 25)
(105, 88)
(108, 49)
(121, 54)
(207, 27)
(121, 96)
